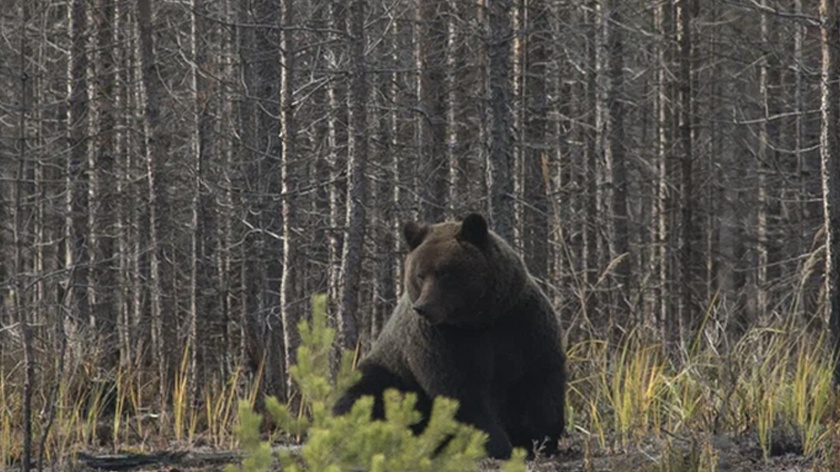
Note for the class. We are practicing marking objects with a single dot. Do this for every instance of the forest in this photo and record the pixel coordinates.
(179, 178)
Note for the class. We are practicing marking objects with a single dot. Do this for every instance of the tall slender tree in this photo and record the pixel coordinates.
(667, 323)
(18, 285)
(687, 241)
(799, 153)
(288, 311)
(500, 158)
(830, 159)
(157, 148)
(203, 149)
(77, 137)
(336, 142)
(432, 30)
(763, 160)
(357, 186)
(268, 176)
(103, 218)
(614, 146)
(538, 48)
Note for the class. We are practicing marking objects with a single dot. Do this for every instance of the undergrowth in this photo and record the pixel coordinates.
(771, 387)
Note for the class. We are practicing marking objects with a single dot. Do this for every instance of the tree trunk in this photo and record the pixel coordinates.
(250, 344)
(519, 64)
(104, 218)
(203, 153)
(615, 155)
(433, 105)
(195, 151)
(123, 190)
(665, 319)
(830, 159)
(564, 169)
(763, 162)
(157, 148)
(222, 278)
(685, 11)
(802, 190)
(384, 290)
(289, 313)
(18, 305)
(500, 159)
(357, 153)
(538, 41)
(456, 84)
(398, 118)
(268, 174)
(336, 139)
(77, 204)
(592, 218)
(132, 211)
(484, 102)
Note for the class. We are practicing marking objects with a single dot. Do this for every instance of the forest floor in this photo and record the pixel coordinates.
(722, 453)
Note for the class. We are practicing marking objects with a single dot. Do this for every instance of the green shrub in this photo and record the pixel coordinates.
(353, 442)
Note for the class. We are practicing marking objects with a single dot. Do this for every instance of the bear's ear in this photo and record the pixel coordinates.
(474, 229)
(414, 234)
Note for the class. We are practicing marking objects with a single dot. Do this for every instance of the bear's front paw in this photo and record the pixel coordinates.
(498, 445)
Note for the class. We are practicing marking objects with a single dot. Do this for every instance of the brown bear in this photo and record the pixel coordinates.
(474, 326)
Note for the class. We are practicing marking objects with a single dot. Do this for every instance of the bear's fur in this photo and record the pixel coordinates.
(474, 326)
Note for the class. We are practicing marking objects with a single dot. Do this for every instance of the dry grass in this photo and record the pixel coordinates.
(773, 387)
(119, 412)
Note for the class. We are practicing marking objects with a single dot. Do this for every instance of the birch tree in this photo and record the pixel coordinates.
(288, 310)
(830, 162)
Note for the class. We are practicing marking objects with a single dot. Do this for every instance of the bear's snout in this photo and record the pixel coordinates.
(428, 312)
(422, 309)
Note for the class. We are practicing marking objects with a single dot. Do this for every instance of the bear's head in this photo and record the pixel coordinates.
(460, 273)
